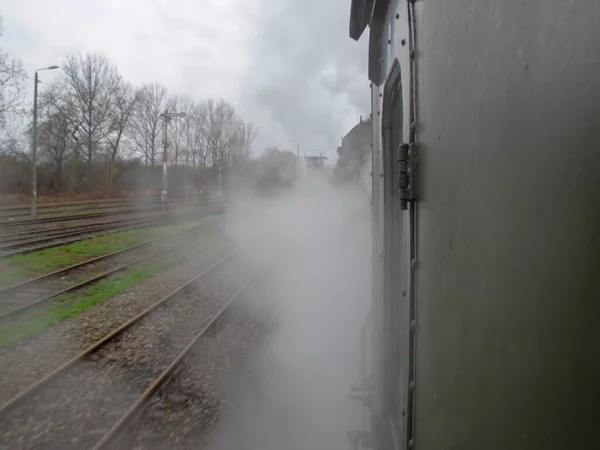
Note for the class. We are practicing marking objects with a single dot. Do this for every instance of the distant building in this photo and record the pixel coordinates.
(315, 162)
(355, 150)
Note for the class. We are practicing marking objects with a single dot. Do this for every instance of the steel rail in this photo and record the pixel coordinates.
(17, 399)
(100, 276)
(140, 223)
(136, 408)
(21, 284)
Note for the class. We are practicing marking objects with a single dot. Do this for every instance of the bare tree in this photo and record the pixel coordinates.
(93, 81)
(179, 128)
(241, 141)
(198, 146)
(146, 122)
(59, 123)
(12, 86)
(219, 129)
(12, 145)
(124, 100)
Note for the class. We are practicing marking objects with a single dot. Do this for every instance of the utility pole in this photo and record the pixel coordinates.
(166, 118)
(187, 158)
(34, 142)
(34, 150)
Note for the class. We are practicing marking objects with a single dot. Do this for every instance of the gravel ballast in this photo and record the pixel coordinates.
(30, 360)
(187, 409)
(74, 410)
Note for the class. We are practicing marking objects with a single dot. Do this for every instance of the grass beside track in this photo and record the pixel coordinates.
(72, 304)
(22, 267)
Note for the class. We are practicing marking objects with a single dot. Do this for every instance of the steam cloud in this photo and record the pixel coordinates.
(307, 83)
(293, 394)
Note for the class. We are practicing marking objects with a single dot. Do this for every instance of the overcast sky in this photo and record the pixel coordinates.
(287, 65)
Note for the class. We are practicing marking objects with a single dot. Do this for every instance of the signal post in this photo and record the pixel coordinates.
(166, 118)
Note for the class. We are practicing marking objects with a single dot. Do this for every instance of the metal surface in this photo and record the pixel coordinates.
(509, 239)
(505, 328)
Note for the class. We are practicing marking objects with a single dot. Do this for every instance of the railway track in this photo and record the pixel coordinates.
(10, 237)
(80, 216)
(27, 206)
(9, 214)
(38, 291)
(89, 400)
(91, 203)
(13, 247)
(92, 399)
(137, 209)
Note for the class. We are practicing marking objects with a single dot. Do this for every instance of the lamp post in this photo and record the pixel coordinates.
(34, 140)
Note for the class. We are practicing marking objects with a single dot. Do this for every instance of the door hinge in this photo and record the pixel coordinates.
(407, 174)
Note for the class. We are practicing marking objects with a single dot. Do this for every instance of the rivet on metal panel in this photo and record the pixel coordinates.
(412, 54)
(397, 16)
(413, 326)
(389, 41)
(380, 94)
(403, 42)
(411, 386)
(381, 175)
(413, 127)
(413, 264)
(378, 112)
(403, 293)
(411, 443)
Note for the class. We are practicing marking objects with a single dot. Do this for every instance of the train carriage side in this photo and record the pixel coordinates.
(486, 223)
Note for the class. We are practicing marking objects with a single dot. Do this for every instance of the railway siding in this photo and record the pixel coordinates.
(188, 408)
(18, 268)
(30, 360)
(76, 408)
(37, 308)
(29, 245)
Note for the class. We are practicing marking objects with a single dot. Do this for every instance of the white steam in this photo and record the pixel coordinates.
(294, 392)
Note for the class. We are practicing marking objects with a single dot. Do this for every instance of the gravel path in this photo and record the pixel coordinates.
(78, 407)
(30, 360)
